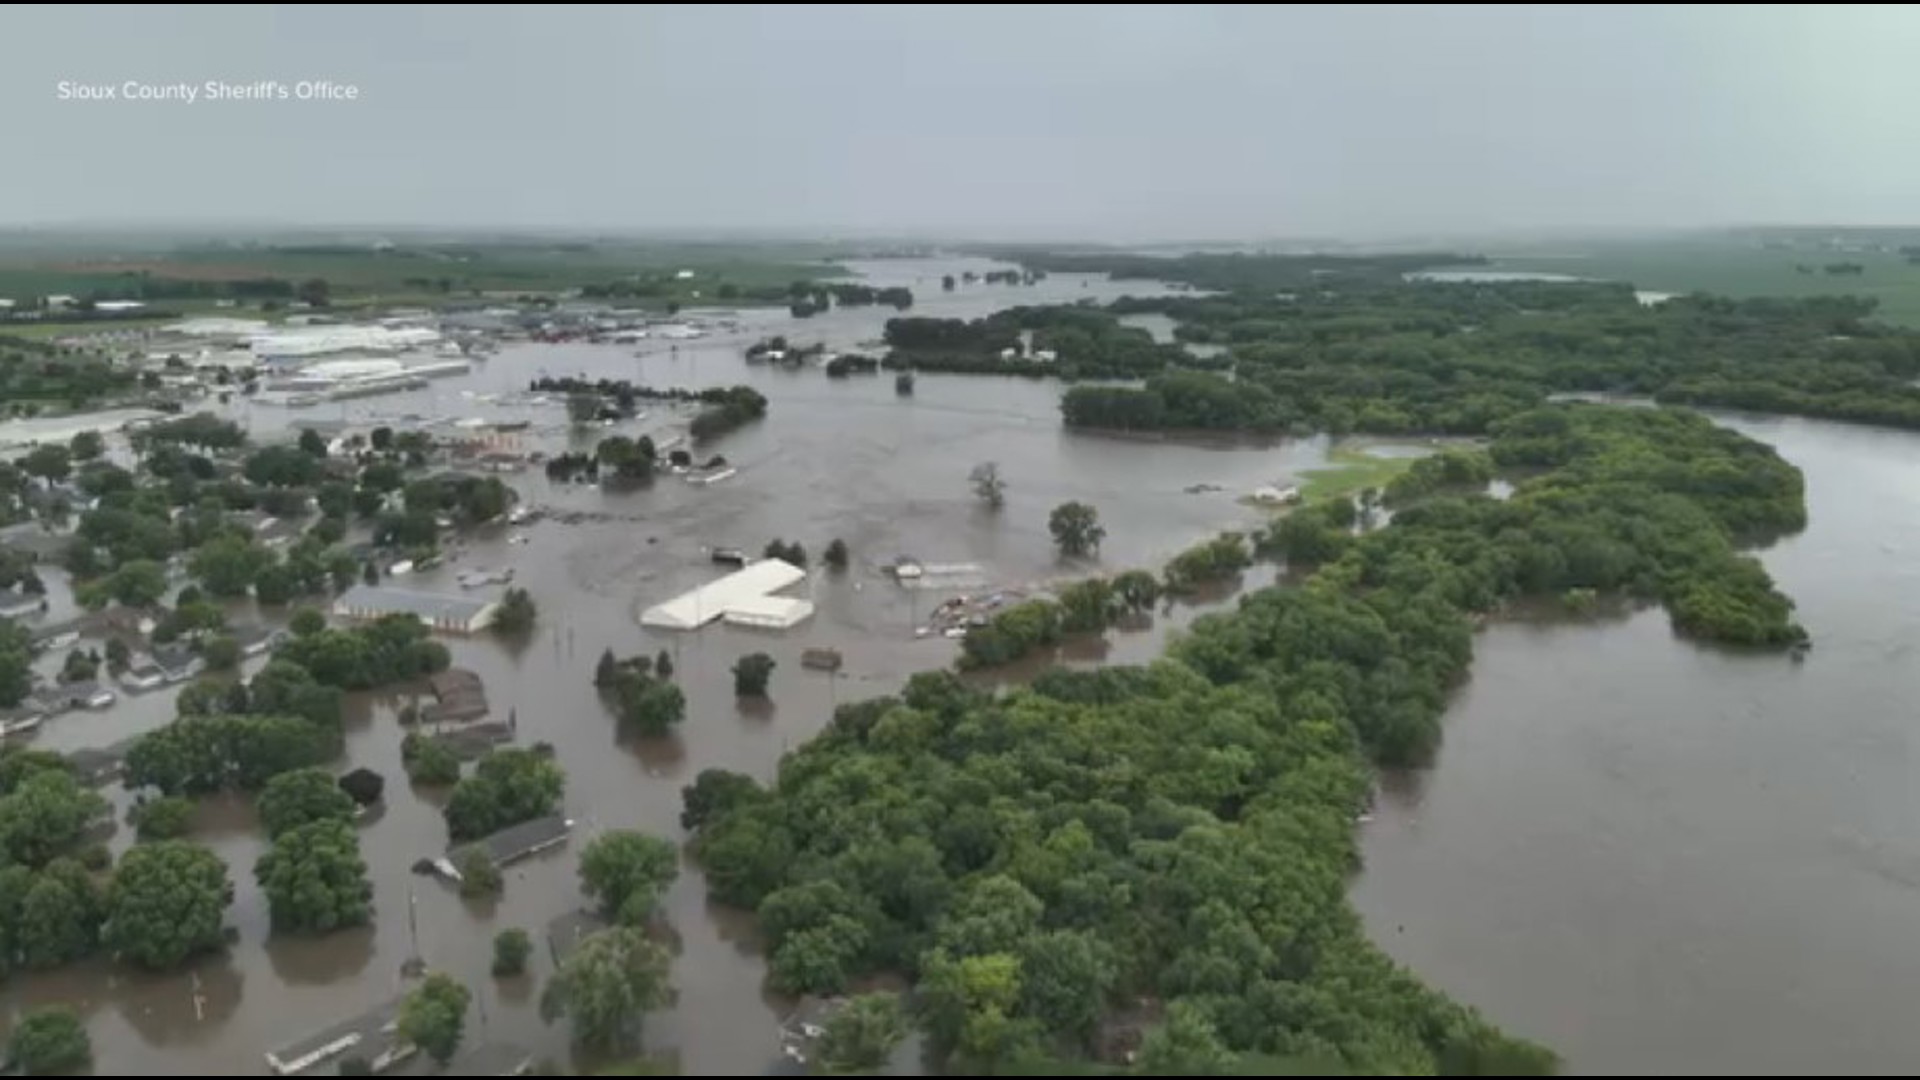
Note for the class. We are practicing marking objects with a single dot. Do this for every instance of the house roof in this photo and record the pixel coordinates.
(387, 600)
(566, 932)
(364, 1036)
(516, 841)
(461, 694)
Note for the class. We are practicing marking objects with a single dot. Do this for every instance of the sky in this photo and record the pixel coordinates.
(1112, 122)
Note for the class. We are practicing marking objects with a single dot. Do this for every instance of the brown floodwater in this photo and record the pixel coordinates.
(833, 458)
(1657, 857)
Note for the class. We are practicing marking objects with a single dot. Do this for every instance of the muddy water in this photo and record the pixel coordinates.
(1657, 857)
(834, 458)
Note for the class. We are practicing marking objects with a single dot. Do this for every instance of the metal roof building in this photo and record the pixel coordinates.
(516, 842)
(442, 611)
(744, 590)
(769, 612)
(372, 1035)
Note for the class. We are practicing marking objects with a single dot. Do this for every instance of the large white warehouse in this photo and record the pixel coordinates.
(744, 596)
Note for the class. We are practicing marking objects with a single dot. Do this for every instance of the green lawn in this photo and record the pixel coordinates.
(1350, 470)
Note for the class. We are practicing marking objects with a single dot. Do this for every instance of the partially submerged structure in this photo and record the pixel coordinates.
(373, 1036)
(566, 932)
(744, 595)
(441, 611)
(459, 695)
(805, 1024)
(513, 843)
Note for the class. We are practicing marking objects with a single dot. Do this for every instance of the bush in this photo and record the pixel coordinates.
(49, 1041)
(162, 819)
(511, 948)
(750, 674)
(478, 876)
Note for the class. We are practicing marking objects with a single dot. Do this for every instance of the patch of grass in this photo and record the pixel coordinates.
(1349, 471)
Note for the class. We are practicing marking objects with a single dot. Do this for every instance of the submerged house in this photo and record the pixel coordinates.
(459, 694)
(373, 1036)
(15, 604)
(516, 842)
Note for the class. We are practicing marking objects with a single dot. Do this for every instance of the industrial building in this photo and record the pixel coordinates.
(743, 597)
(453, 614)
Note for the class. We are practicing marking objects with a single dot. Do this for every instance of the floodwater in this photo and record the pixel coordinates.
(1657, 857)
(833, 458)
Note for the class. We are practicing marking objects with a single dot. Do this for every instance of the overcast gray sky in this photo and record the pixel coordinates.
(1095, 122)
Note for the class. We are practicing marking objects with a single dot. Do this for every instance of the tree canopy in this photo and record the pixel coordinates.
(627, 872)
(606, 985)
(49, 1041)
(434, 1016)
(314, 877)
(508, 786)
(168, 901)
(302, 796)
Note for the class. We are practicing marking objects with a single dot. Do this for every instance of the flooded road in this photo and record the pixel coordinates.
(833, 458)
(1656, 857)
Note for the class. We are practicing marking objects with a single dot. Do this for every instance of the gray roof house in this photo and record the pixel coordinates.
(442, 611)
(373, 1035)
(516, 842)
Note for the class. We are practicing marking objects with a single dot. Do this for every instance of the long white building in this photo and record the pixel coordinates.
(744, 597)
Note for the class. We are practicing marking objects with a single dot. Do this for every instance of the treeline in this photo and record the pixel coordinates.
(34, 374)
(1436, 358)
(1094, 604)
(809, 298)
(736, 406)
(1646, 503)
(1071, 342)
(1242, 272)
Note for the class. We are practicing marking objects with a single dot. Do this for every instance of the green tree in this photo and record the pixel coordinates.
(139, 583)
(583, 408)
(1137, 589)
(86, 445)
(750, 674)
(221, 653)
(1076, 529)
(663, 665)
(49, 461)
(307, 622)
(44, 813)
(715, 793)
(315, 879)
(312, 443)
(651, 706)
(300, 797)
(49, 1041)
(507, 787)
(516, 615)
(607, 670)
(479, 878)
(606, 985)
(836, 556)
(988, 486)
(628, 872)
(165, 818)
(79, 667)
(511, 949)
(167, 902)
(227, 566)
(434, 1016)
(58, 919)
(1185, 1045)
(118, 655)
(861, 1035)
(427, 761)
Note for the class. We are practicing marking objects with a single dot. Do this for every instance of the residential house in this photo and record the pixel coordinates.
(178, 663)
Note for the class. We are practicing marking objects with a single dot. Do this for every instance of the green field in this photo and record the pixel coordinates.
(417, 272)
(1745, 264)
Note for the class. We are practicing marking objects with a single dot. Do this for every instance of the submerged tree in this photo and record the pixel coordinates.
(1076, 528)
(607, 985)
(988, 487)
(434, 1016)
(750, 674)
(49, 1041)
(627, 872)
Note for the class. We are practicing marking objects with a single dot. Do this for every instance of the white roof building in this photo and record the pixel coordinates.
(746, 590)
